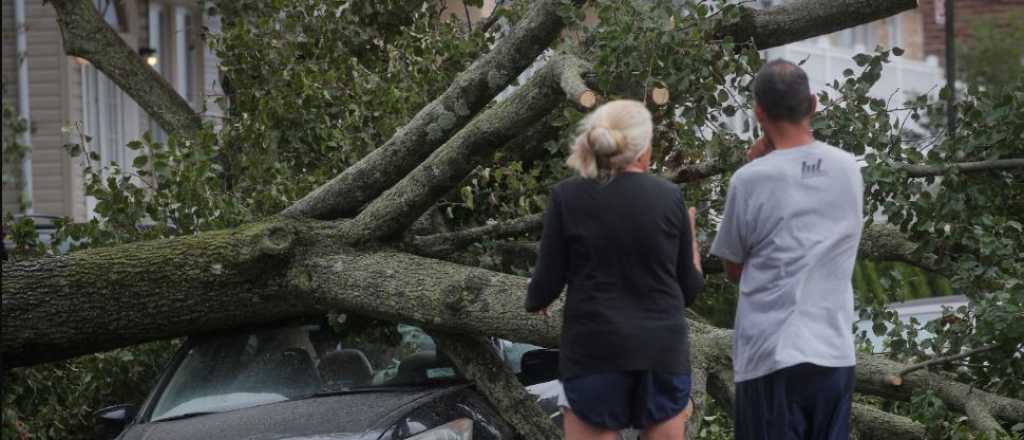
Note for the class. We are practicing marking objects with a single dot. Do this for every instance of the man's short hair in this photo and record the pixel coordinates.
(782, 91)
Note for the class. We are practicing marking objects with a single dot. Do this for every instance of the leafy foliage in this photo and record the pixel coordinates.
(57, 401)
(314, 85)
(13, 150)
(990, 57)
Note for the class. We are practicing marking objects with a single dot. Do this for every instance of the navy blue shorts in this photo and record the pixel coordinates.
(627, 399)
(804, 401)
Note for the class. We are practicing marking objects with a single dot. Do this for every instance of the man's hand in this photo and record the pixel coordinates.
(761, 147)
(543, 312)
(696, 246)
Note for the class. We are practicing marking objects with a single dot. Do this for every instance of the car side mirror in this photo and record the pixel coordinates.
(110, 421)
(539, 366)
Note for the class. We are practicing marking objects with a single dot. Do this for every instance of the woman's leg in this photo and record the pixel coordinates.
(576, 429)
(671, 429)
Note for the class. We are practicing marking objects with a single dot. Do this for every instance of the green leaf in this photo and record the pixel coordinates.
(141, 161)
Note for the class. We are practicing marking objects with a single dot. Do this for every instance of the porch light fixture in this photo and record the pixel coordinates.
(149, 54)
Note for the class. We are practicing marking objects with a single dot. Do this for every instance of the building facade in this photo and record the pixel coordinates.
(68, 97)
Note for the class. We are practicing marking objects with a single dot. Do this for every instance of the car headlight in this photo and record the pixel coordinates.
(461, 429)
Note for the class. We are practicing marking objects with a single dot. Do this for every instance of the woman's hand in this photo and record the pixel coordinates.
(696, 246)
(543, 312)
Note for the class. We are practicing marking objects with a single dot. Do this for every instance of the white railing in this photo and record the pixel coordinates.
(901, 79)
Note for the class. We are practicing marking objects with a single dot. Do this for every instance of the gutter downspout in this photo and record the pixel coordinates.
(23, 108)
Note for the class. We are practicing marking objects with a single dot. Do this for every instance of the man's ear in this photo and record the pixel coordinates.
(814, 104)
(759, 114)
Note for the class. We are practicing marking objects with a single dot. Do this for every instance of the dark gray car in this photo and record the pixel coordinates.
(326, 379)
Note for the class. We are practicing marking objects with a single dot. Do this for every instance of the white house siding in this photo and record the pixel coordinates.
(10, 79)
(47, 95)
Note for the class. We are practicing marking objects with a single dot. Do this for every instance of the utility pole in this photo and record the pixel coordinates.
(950, 69)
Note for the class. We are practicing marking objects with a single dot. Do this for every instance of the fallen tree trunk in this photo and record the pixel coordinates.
(383, 283)
(101, 299)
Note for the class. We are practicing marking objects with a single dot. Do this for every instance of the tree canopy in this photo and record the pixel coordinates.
(364, 164)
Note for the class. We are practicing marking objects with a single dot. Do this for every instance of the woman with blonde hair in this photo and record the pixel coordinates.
(624, 243)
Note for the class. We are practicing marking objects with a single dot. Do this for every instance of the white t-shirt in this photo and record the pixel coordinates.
(793, 218)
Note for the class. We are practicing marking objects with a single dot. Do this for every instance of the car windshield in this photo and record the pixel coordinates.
(300, 360)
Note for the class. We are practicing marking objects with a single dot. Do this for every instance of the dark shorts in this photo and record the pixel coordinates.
(626, 399)
(804, 401)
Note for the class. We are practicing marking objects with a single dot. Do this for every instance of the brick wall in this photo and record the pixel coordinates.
(965, 12)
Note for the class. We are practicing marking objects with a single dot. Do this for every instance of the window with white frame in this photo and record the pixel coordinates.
(109, 117)
(103, 116)
(867, 36)
(174, 38)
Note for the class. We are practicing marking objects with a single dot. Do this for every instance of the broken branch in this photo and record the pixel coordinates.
(440, 245)
(802, 19)
(475, 358)
(896, 379)
(87, 35)
(963, 167)
(575, 87)
(392, 212)
(436, 122)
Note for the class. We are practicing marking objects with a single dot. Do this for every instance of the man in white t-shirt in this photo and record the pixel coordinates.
(789, 237)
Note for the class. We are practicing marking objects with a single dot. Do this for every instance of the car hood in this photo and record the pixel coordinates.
(359, 416)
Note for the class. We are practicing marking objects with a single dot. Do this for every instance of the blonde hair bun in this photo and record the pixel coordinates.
(605, 141)
(610, 138)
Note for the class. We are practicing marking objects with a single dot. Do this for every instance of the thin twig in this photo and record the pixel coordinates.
(897, 378)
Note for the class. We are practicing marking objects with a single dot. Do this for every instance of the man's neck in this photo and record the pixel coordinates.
(792, 136)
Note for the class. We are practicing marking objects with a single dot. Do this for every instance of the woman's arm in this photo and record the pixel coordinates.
(549, 274)
(688, 270)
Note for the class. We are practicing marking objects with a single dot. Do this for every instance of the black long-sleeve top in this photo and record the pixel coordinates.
(624, 248)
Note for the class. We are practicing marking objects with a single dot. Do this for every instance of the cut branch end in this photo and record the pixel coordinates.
(659, 95)
(587, 99)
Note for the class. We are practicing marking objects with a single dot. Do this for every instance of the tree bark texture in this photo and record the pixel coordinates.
(87, 35)
(476, 358)
(700, 171)
(169, 288)
(437, 121)
(803, 19)
(96, 300)
(393, 211)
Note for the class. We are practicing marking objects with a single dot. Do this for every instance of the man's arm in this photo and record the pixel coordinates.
(733, 271)
(731, 244)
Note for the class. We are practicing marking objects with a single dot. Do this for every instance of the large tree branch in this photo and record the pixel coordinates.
(869, 423)
(476, 358)
(896, 378)
(879, 242)
(803, 19)
(917, 170)
(392, 212)
(87, 35)
(695, 172)
(444, 244)
(101, 299)
(700, 171)
(437, 121)
(111, 297)
(981, 407)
